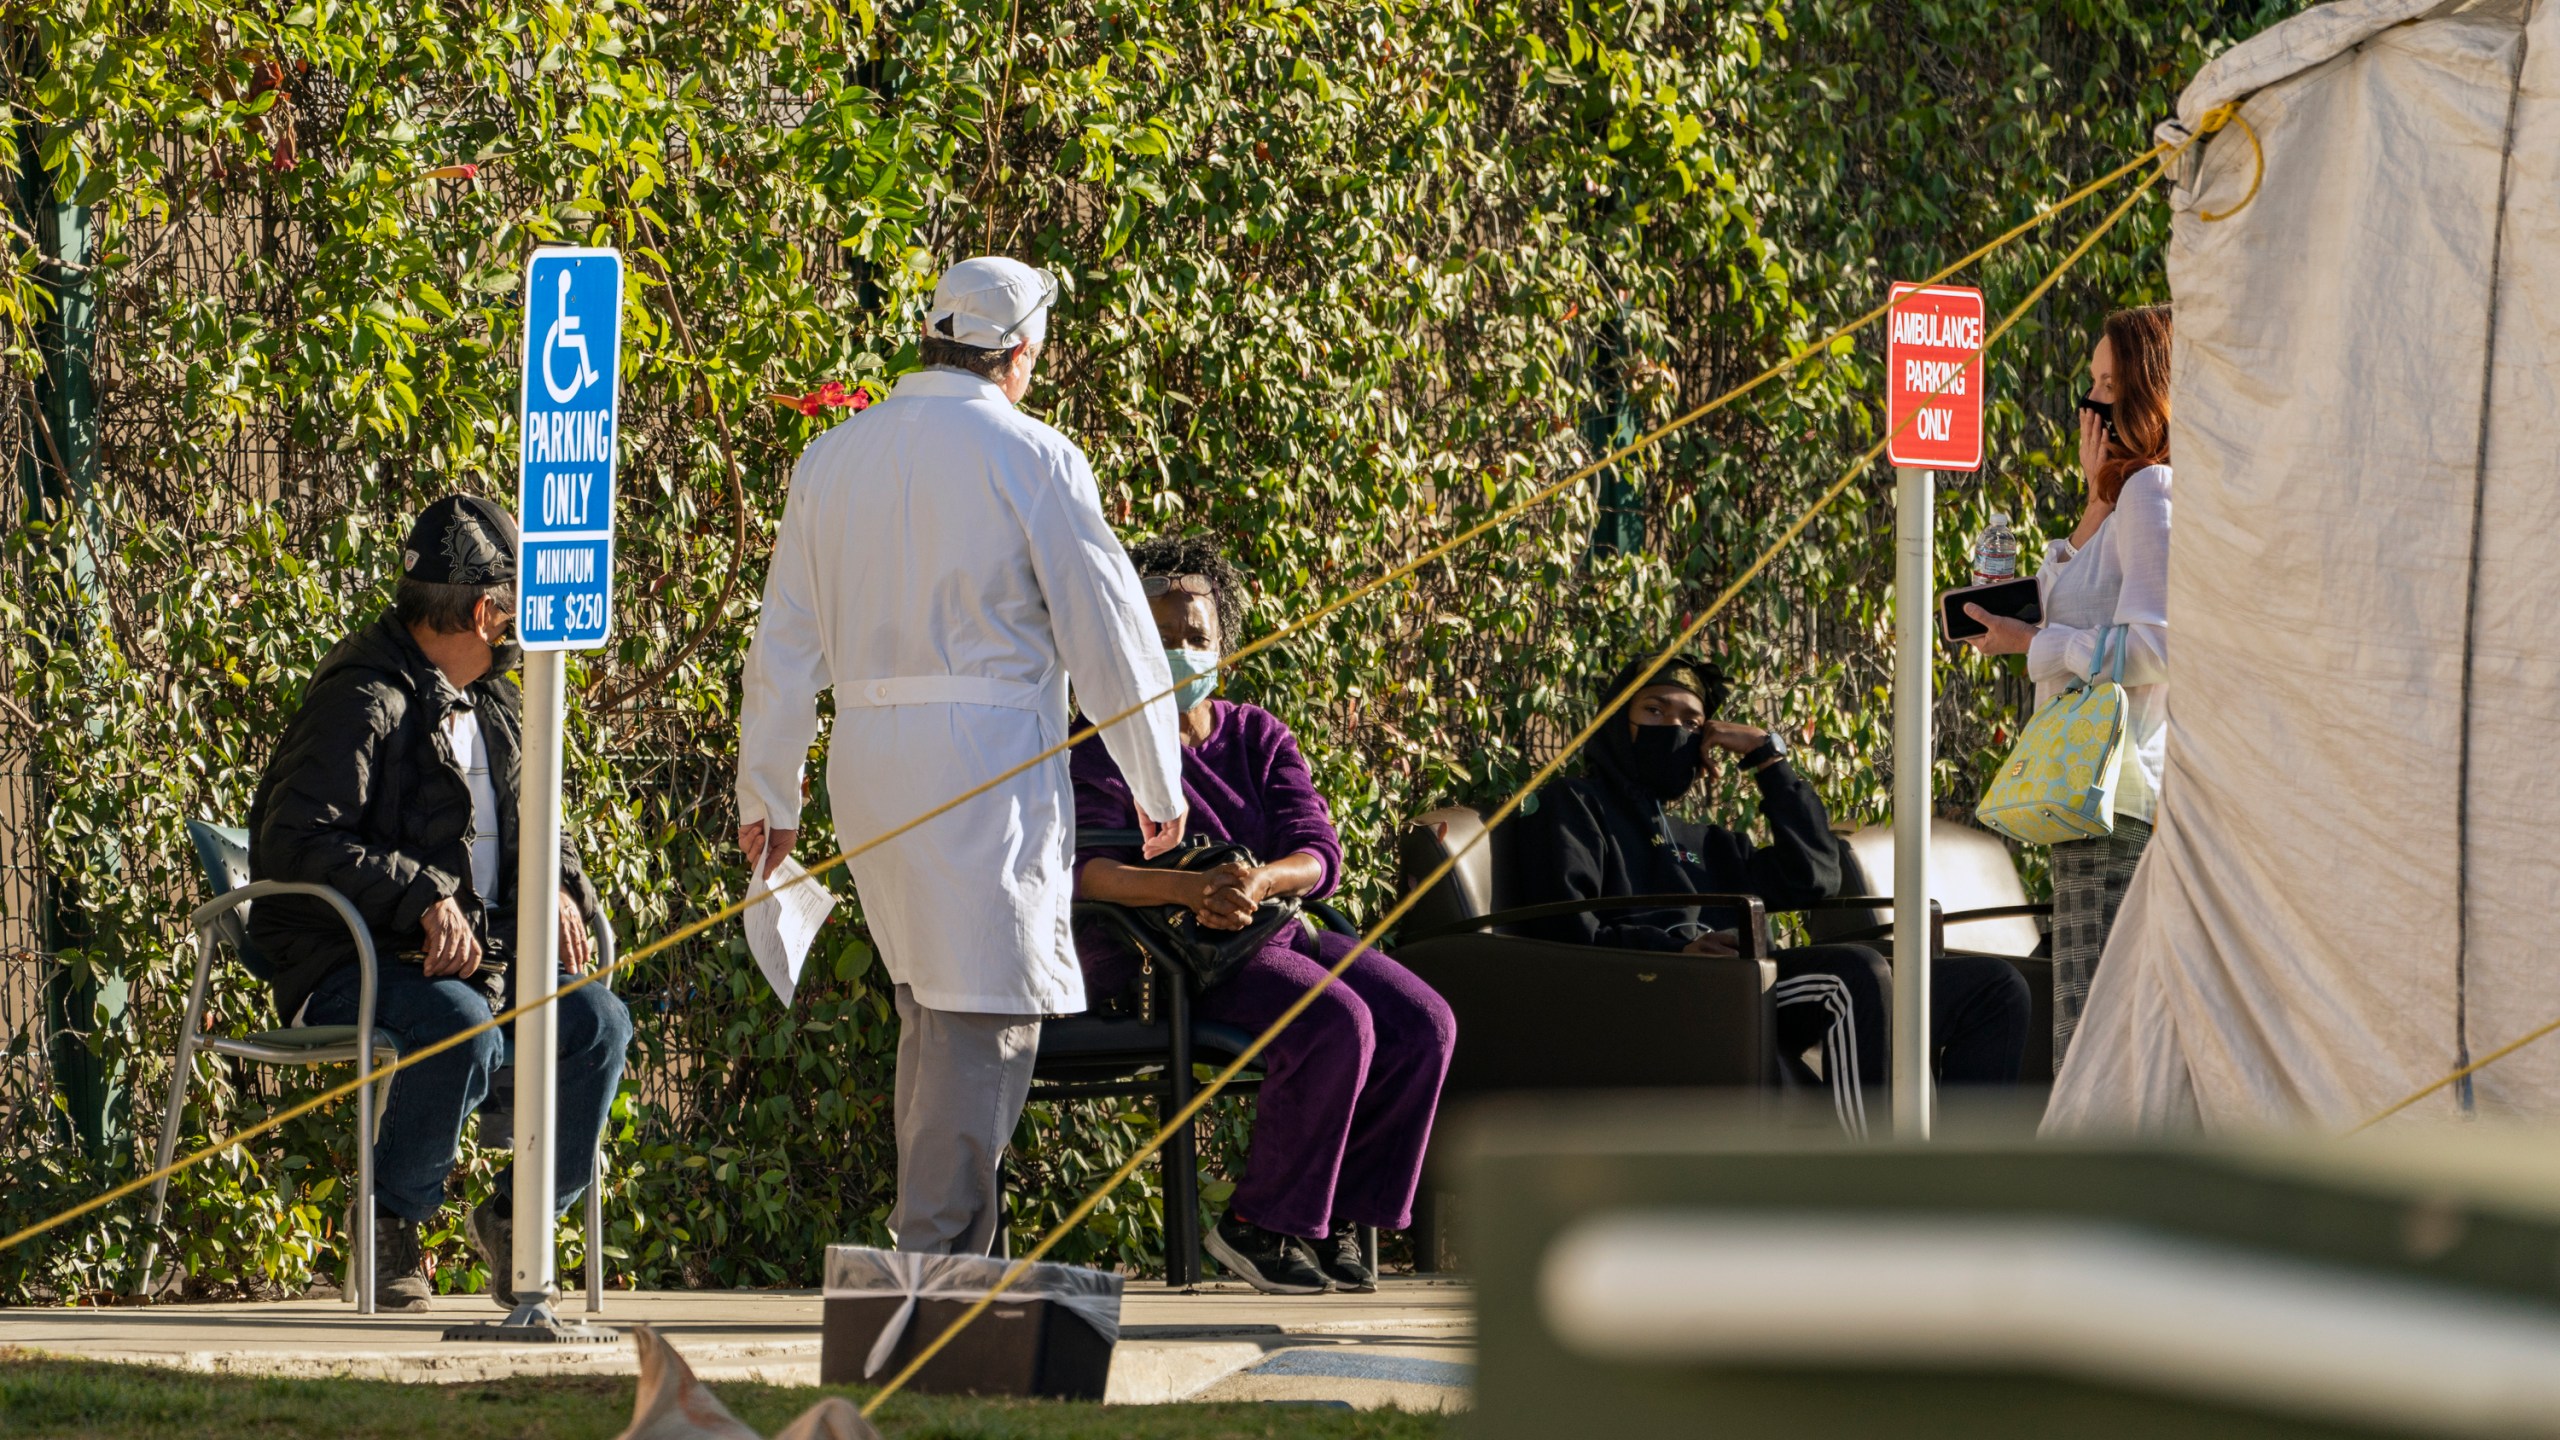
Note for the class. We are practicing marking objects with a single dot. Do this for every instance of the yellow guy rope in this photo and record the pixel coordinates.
(1368, 939)
(1318, 616)
(2458, 1076)
(2214, 120)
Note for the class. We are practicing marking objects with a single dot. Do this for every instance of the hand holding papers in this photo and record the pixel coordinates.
(779, 930)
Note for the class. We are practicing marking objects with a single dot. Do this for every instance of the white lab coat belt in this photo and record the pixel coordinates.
(946, 690)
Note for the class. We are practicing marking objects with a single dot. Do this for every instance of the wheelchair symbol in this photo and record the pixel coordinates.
(564, 335)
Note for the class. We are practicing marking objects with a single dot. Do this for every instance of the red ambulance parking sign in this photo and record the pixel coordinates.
(1933, 377)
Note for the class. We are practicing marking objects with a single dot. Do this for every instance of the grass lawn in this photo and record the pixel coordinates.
(88, 1399)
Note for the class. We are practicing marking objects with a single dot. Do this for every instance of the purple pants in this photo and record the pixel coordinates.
(1348, 1089)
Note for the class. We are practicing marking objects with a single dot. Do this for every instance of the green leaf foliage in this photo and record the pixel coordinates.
(1345, 276)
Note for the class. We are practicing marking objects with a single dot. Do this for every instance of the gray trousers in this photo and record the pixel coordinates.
(962, 1079)
(2090, 878)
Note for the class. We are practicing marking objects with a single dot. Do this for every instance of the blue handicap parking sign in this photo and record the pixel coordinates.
(572, 416)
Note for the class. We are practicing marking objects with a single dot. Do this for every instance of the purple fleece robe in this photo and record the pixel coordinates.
(1349, 1090)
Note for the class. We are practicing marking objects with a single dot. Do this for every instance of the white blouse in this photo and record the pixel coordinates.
(2121, 577)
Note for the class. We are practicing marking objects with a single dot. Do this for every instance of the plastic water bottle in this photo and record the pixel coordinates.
(1995, 552)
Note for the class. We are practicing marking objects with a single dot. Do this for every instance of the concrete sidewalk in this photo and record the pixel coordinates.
(1411, 1344)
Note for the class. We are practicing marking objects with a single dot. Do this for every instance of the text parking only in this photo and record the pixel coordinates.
(571, 414)
(1933, 377)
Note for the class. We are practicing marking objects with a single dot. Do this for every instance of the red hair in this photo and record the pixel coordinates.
(2140, 340)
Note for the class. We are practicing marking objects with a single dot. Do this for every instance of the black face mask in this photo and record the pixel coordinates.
(1665, 760)
(508, 654)
(2105, 410)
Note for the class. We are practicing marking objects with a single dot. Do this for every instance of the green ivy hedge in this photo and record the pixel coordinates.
(1342, 278)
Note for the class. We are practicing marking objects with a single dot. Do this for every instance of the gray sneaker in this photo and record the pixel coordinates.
(400, 1282)
(492, 1227)
(1343, 1262)
(1270, 1262)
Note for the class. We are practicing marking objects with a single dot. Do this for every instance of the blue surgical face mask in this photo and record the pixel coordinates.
(1198, 672)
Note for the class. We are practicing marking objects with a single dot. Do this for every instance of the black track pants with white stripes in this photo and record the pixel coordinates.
(1840, 997)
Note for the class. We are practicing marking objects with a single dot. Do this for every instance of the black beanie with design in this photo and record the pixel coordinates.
(461, 540)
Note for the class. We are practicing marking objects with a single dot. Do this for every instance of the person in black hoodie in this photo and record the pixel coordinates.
(1607, 833)
(396, 785)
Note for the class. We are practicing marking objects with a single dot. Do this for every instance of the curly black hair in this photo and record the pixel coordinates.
(1197, 553)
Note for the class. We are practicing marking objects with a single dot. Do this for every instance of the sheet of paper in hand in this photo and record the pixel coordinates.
(780, 930)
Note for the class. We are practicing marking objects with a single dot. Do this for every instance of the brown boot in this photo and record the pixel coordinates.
(492, 1228)
(400, 1283)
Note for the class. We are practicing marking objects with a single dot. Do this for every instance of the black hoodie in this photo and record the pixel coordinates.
(1601, 834)
(363, 796)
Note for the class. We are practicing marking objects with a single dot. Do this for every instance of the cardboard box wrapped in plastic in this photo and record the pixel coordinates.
(1050, 1334)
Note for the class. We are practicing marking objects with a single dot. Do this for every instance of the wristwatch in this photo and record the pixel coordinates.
(1765, 754)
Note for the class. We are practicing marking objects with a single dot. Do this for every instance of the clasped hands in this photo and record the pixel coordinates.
(452, 949)
(1225, 897)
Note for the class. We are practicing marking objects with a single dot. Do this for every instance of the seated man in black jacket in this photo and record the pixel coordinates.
(1606, 833)
(396, 785)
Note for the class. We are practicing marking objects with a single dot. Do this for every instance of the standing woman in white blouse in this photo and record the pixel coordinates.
(2111, 577)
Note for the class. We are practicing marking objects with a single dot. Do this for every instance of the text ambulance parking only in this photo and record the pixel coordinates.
(1933, 376)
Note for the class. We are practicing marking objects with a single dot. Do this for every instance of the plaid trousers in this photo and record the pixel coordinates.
(2089, 881)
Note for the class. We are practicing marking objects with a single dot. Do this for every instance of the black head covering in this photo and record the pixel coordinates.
(461, 540)
(1612, 748)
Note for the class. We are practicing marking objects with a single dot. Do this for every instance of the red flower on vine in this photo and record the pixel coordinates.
(451, 172)
(831, 396)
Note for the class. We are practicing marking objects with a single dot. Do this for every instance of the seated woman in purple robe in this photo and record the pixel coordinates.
(1350, 1088)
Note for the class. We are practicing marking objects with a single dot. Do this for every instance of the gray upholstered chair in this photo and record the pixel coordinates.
(1539, 1015)
(1545, 1015)
(1973, 881)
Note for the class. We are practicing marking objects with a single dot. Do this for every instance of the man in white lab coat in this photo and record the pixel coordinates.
(943, 564)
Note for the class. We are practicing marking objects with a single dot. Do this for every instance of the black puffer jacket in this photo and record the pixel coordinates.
(363, 795)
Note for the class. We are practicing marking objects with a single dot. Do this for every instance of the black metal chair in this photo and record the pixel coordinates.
(1150, 1055)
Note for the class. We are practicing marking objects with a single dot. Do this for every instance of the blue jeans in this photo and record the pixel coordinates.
(422, 1131)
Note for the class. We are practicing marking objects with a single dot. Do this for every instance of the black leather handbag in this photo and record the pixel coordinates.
(1210, 955)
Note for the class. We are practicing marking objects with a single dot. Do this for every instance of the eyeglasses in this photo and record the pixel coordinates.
(1167, 584)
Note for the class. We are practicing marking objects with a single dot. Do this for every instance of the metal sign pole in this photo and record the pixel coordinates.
(1933, 404)
(1915, 552)
(569, 409)
(546, 714)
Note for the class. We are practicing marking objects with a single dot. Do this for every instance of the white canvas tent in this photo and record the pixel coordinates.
(2355, 883)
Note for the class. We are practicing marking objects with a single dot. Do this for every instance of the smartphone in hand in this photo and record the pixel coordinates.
(2018, 599)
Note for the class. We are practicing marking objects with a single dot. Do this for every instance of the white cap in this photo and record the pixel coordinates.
(992, 302)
